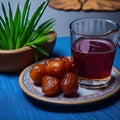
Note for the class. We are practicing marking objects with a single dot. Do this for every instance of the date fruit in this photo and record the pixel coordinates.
(50, 85)
(37, 72)
(69, 85)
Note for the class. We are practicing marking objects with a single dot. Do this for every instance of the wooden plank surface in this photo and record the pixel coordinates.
(86, 5)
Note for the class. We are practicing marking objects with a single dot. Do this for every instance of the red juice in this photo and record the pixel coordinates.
(93, 57)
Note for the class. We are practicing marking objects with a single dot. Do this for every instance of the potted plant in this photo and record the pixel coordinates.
(21, 38)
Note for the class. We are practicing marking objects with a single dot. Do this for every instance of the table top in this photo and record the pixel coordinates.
(15, 105)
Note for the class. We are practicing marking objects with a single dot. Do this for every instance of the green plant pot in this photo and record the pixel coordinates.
(12, 61)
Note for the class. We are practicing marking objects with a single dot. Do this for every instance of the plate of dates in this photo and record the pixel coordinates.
(54, 81)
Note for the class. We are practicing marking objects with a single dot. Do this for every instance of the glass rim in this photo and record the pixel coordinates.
(117, 27)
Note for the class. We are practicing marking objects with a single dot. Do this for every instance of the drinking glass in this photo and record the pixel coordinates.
(93, 47)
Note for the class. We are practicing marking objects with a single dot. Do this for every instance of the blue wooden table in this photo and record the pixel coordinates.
(15, 105)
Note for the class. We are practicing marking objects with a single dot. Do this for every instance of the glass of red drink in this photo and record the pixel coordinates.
(93, 46)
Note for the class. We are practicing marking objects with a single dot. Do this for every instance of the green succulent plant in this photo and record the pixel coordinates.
(18, 30)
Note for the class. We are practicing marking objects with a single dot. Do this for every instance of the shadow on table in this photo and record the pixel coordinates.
(75, 108)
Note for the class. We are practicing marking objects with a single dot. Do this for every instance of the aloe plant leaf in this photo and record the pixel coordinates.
(40, 49)
(39, 40)
(3, 24)
(17, 42)
(47, 24)
(17, 23)
(47, 30)
(6, 21)
(25, 13)
(3, 43)
(24, 33)
(10, 13)
(18, 30)
(3, 34)
(12, 30)
(38, 13)
(30, 25)
(8, 26)
(43, 29)
(41, 12)
(10, 42)
(5, 15)
(36, 56)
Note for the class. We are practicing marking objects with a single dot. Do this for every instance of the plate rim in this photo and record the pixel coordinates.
(88, 101)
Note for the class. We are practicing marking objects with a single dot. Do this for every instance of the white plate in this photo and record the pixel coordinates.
(85, 95)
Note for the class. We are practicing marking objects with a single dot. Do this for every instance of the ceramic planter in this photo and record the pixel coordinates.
(12, 61)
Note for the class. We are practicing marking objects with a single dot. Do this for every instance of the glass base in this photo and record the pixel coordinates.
(94, 83)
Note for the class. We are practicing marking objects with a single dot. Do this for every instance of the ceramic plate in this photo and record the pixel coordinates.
(85, 95)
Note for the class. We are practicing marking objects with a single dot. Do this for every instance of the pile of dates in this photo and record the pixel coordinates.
(56, 76)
